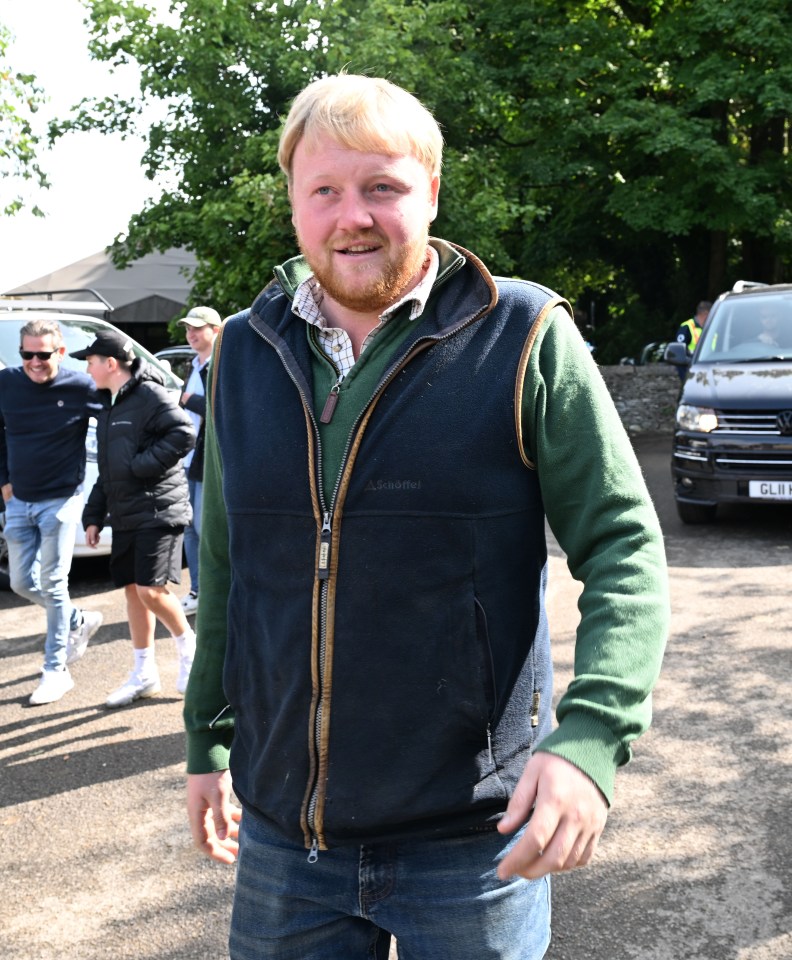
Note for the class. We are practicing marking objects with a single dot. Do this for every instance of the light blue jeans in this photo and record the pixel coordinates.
(40, 539)
(192, 533)
(441, 899)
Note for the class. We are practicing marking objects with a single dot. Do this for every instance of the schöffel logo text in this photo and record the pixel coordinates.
(378, 485)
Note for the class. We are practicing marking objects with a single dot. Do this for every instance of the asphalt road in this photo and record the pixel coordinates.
(95, 855)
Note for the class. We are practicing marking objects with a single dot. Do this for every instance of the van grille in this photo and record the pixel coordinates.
(757, 421)
(745, 460)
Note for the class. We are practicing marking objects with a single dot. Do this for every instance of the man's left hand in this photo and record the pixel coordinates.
(568, 818)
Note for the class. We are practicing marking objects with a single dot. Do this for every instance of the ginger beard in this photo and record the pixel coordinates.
(384, 286)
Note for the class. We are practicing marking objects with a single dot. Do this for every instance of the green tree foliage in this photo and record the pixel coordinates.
(19, 100)
(632, 155)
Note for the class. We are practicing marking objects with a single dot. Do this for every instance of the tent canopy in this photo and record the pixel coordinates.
(154, 289)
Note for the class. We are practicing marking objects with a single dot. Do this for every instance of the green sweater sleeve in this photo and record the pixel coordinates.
(207, 717)
(600, 511)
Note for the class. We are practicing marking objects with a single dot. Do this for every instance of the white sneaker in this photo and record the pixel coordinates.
(79, 637)
(186, 650)
(136, 688)
(190, 603)
(52, 686)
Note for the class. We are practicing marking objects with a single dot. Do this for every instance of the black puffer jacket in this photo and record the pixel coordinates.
(142, 439)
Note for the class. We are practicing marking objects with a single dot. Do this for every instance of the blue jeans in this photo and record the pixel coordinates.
(40, 539)
(192, 533)
(441, 899)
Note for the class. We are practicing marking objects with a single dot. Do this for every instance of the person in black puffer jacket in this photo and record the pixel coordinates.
(142, 494)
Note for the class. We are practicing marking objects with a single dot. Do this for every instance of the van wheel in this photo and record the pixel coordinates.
(696, 512)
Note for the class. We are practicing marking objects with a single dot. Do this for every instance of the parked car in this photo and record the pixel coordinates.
(650, 353)
(177, 359)
(733, 437)
(79, 330)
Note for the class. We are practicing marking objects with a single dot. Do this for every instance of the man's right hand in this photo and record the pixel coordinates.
(214, 819)
(7, 491)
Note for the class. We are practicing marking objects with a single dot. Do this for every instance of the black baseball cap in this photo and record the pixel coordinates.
(108, 343)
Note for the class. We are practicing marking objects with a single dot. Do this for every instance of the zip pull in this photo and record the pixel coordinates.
(535, 709)
(313, 856)
(332, 401)
(489, 745)
(323, 573)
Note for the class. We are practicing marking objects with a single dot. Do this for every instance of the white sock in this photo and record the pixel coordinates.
(145, 664)
(185, 642)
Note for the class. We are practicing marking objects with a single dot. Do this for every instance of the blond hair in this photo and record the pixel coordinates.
(362, 113)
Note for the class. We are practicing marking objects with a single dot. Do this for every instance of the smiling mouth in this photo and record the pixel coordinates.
(358, 249)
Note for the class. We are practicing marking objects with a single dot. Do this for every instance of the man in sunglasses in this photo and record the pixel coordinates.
(44, 413)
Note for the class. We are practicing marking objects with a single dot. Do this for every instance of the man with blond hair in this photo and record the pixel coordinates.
(390, 427)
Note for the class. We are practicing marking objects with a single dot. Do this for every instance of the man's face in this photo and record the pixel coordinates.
(99, 369)
(362, 221)
(201, 338)
(42, 371)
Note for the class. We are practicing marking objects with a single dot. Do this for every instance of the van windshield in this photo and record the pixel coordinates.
(748, 329)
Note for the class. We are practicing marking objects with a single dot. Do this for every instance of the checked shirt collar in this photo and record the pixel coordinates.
(334, 341)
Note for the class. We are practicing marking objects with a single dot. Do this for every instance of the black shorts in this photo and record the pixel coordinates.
(149, 557)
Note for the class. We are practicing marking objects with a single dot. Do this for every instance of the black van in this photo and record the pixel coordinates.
(733, 437)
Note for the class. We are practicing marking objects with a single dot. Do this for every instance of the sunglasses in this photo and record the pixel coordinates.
(41, 354)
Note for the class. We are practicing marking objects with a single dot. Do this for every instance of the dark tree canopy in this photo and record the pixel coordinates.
(632, 155)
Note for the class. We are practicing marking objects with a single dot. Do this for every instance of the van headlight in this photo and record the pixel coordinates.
(696, 419)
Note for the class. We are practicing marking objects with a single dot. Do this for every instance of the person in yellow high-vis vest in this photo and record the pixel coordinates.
(690, 331)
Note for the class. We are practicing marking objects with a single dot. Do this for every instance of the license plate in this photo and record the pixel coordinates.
(770, 489)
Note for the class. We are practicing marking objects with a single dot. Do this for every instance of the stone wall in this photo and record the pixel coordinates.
(646, 396)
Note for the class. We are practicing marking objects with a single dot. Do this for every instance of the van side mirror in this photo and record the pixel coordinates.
(677, 355)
